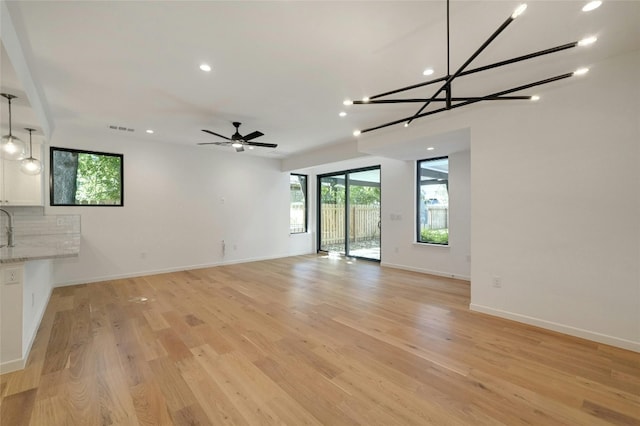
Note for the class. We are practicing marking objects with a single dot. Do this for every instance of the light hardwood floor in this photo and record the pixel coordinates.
(306, 340)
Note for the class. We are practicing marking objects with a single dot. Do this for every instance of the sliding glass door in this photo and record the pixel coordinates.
(349, 213)
(363, 214)
(332, 218)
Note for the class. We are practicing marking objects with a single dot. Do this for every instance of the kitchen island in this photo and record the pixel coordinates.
(26, 272)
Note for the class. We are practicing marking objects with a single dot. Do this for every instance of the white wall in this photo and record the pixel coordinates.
(556, 208)
(399, 247)
(180, 202)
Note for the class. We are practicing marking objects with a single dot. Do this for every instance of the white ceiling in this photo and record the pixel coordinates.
(284, 68)
(22, 113)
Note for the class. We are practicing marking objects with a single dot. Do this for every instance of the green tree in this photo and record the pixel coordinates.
(98, 178)
(334, 193)
(364, 195)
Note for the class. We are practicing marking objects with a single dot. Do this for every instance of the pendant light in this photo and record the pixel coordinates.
(11, 148)
(31, 166)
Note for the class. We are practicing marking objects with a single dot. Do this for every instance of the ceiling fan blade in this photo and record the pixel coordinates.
(262, 144)
(214, 143)
(240, 149)
(215, 134)
(252, 135)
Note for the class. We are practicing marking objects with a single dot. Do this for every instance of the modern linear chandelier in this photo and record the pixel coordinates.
(450, 101)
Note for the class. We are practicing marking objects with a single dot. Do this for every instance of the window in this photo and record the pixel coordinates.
(433, 201)
(298, 206)
(86, 178)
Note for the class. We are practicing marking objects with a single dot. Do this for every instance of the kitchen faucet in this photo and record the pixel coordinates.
(9, 228)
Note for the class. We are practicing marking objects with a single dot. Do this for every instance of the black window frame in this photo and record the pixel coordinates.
(305, 192)
(82, 151)
(418, 233)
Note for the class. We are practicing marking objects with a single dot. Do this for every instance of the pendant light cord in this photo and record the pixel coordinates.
(30, 144)
(10, 134)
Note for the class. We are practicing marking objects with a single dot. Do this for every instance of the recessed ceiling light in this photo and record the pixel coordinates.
(406, 124)
(430, 148)
(581, 71)
(587, 41)
(250, 147)
(150, 131)
(535, 98)
(365, 99)
(356, 133)
(347, 102)
(342, 114)
(428, 71)
(205, 67)
(591, 6)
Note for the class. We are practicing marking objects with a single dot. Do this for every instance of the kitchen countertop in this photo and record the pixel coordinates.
(41, 247)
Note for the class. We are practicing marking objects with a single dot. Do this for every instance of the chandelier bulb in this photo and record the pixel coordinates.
(587, 41)
(519, 10)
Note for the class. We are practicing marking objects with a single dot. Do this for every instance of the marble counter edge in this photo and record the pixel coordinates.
(41, 247)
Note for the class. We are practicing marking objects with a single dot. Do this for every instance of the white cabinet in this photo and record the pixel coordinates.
(11, 352)
(20, 189)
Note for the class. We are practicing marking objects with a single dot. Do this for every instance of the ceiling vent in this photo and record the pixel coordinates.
(121, 128)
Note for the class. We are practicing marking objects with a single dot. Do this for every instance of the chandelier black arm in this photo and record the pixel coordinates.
(404, 89)
(475, 70)
(521, 58)
(455, 99)
(447, 83)
(483, 98)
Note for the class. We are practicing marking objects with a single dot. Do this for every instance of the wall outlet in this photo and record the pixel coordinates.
(11, 276)
(497, 282)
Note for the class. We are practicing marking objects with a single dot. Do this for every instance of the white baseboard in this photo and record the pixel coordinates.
(13, 365)
(162, 271)
(426, 271)
(561, 328)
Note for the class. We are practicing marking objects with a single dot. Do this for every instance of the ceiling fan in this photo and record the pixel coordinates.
(238, 141)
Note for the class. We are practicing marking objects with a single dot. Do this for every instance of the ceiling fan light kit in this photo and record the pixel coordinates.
(11, 147)
(452, 102)
(238, 141)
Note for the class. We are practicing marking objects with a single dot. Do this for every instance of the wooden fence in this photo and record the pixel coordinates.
(364, 223)
(437, 217)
